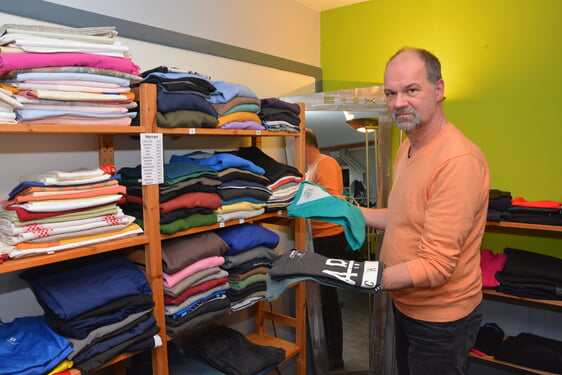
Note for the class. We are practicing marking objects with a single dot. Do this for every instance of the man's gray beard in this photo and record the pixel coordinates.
(407, 125)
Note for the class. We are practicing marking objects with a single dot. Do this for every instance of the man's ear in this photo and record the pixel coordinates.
(440, 91)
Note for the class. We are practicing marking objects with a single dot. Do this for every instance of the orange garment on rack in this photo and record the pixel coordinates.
(522, 202)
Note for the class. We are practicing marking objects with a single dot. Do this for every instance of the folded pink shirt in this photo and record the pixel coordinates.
(172, 279)
(490, 264)
(36, 60)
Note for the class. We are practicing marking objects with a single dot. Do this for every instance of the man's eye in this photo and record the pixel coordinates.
(412, 91)
(389, 94)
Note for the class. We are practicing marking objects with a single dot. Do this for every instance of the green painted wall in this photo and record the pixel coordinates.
(502, 66)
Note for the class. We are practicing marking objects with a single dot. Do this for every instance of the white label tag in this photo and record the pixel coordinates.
(258, 132)
(241, 221)
(152, 158)
(312, 193)
(221, 224)
(370, 274)
(191, 130)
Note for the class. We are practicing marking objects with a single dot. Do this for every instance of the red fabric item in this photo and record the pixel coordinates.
(490, 264)
(522, 202)
(192, 200)
(109, 169)
(24, 215)
(199, 288)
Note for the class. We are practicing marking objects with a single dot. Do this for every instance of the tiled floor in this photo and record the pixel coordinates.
(355, 330)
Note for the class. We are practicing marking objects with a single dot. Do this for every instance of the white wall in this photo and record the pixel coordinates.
(282, 28)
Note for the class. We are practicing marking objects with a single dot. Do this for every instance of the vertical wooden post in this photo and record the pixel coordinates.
(300, 244)
(153, 250)
(106, 152)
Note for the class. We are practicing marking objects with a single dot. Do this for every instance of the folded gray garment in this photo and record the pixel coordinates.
(197, 321)
(232, 261)
(196, 278)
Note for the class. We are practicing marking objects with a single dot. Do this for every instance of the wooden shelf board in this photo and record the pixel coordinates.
(224, 132)
(60, 256)
(291, 349)
(488, 358)
(70, 129)
(511, 225)
(492, 292)
(264, 217)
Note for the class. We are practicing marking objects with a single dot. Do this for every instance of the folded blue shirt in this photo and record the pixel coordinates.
(29, 347)
(35, 114)
(218, 162)
(189, 100)
(83, 286)
(247, 236)
(226, 91)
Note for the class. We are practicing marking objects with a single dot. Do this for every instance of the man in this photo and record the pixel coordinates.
(329, 240)
(433, 225)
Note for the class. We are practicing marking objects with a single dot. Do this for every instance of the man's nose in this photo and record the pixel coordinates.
(400, 101)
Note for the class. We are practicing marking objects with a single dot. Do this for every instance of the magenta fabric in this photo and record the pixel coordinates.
(243, 125)
(38, 60)
(491, 263)
(203, 264)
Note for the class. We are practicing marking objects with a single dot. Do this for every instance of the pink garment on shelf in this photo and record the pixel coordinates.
(71, 88)
(490, 264)
(38, 60)
(203, 264)
(522, 202)
(243, 125)
(70, 120)
(79, 108)
(72, 83)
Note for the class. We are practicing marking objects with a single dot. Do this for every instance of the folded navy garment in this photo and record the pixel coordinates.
(170, 101)
(275, 114)
(28, 346)
(182, 81)
(107, 314)
(229, 351)
(280, 104)
(250, 265)
(489, 338)
(241, 188)
(247, 236)
(273, 169)
(111, 342)
(532, 351)
(72, 288)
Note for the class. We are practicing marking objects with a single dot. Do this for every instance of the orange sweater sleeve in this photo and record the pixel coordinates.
(454, 201)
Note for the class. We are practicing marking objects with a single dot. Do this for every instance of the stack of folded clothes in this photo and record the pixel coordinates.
(499, 204)
(29, 346)
(105, 311)
(525, 349)
(65, 75)
(8, 104)
(250, 256)
(285, 179)
(194, 285)
(59, 210)
(538, 212)
(182, 98)
(531, 275)
(502, 207)
(188, 196)
(278, 115)
(236, 105)
(242, 197)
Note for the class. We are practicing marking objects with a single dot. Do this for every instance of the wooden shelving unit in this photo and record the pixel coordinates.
(151, 239)
(495, 295)
(524, 226)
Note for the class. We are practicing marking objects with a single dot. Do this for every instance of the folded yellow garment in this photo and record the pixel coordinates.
(63, 366)
(238, 116)
(239, 206)
(10, 88)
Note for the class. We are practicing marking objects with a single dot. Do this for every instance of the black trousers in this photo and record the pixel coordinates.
(434, 348)
(332, 247)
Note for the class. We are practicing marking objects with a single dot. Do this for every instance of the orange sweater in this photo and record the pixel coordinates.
(436, 218)
(326, 171)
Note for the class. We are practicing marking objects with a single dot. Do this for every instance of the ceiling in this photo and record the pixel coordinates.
(320, 5)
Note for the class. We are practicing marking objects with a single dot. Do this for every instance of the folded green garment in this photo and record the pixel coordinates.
(192, 221)
(185, 119)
